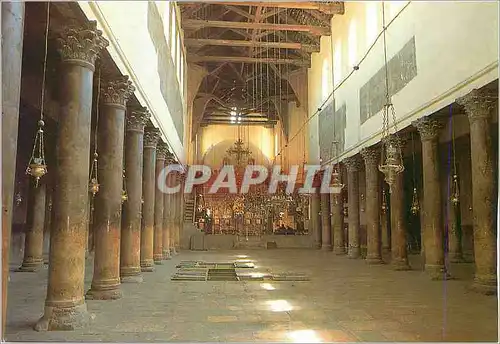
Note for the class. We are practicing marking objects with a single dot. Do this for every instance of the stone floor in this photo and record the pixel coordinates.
(345, 300)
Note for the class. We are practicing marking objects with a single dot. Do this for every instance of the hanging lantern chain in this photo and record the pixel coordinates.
(94, 181)
(37, 166)
(455, 196)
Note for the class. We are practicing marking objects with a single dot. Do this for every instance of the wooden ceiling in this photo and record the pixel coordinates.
(249, 49)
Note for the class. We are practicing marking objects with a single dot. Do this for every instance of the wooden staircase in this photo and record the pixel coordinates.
(189, 208)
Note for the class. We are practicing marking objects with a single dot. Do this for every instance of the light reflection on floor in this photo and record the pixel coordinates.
(304, 336)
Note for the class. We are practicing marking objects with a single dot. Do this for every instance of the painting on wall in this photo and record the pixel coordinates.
(402, 68)
(331, 129)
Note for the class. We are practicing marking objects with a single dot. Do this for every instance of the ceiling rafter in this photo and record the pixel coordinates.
(198, 24)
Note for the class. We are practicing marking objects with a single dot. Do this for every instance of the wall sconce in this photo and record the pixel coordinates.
(18, 199)
(362, 205)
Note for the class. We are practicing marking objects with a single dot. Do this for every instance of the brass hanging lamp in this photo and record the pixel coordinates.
(384, 202)
(37, 166)
(124, 191)
(94, 182)
(455, 194)
(415, 206)
(392, 162)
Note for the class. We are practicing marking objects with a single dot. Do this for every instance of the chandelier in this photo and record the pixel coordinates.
(37, 166)
(391, 162)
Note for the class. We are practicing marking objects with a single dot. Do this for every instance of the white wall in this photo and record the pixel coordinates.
(124, 24)
(456, 51)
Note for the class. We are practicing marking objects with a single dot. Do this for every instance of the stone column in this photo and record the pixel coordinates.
(47, 224)
(130, 249)
(337, 208)
(316, 218)
(161, 150)
(384, 224)
(326, 225)
(454, 235)
(353, 165)
(479, 105)
(12, 51)
(371, 157)
(172, 178)
(33, 243)
(167, 212)
(399, 254)
(151, 137)
(108, 201)
(179, 220)
(432, 227)
(65, 307)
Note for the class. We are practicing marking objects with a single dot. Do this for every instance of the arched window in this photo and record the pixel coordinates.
(353, 44)
(371, 22)
(166, 22)
(173, 34)
(326, 79)
(337, 63)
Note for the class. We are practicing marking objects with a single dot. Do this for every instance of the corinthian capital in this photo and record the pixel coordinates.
(82, 44)
(353, 163)
(371, 155)
(161, 150)
(117, 91)
(478, 103)
(137, 119)
(151, 137)
(428, 128)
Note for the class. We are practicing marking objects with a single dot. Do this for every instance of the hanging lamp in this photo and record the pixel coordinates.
(94, 182)
(124, 191)
(415, 206)
(455, 195)
(391, 162)
(37, 166)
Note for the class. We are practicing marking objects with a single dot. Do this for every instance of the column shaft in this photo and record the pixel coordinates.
(372, 206)
(316, 219)
(432, 227)
(399, 252)
(33, 243)
(454, 234)
(353, 164)
(384, 223)
(158, 208)
(65, 307)
(12, 51)
(108, 201)
(167, 214)
(130, 249)
(326, 225)
(337, 207)
(479, 105)
(151, 137)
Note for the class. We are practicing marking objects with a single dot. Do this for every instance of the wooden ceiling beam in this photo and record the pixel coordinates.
(194, 42)
(330, 8)
(244, 59)
(198, 24)
(239, 11)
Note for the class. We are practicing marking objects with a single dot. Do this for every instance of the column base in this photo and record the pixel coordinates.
(317, 245)
(166, 255)
(486, 285)
(173, 251)
(326, 247)
(386, 250)
(400, 265)
(158, 261)
(374, 260)
(32, 265)
(354, 252)
(457, 259)
(147, 265)
(131, 275)
(64, 318)
(132, 279)
(103, 294)
(340, 251)
(437, 272)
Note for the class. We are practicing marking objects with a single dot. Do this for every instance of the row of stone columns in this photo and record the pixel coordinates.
(123, 246)
(478, 106)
